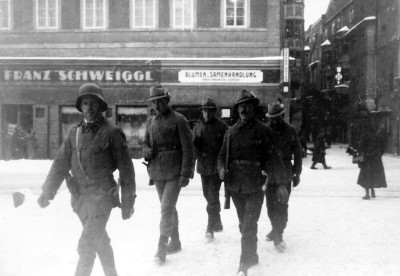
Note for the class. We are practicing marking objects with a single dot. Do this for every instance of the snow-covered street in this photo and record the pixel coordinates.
(331, 230)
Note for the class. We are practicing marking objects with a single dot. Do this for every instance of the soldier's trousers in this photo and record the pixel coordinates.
(248, 208)
(211, 185)
(277, 212)
(168, 193)
(94, 239)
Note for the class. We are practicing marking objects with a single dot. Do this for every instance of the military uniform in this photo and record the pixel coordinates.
(208, 138)
(288, 143)
(251, 152)
(102, 149)
(168, 148)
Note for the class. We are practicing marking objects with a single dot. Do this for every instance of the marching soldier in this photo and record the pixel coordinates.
(288, 142)
(208, 136)
(168, 148)
(246, 156)
(93, 150)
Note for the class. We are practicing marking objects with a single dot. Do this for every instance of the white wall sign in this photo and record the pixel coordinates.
(241, 76)
(285, 69)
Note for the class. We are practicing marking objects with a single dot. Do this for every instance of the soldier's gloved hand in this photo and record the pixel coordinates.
(127, 203)
(44, 200)
(147, 154)
(183, 181)
(296, 180)
(221, 174)
(282, 194)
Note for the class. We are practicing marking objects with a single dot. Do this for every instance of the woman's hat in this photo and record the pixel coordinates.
(208, 104)
(246, 96)
(275, 110)
(91, 89)
(157, 91)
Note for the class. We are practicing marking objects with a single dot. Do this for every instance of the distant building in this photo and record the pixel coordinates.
(359, 64)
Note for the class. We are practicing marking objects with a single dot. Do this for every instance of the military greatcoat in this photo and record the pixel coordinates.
(103, 149)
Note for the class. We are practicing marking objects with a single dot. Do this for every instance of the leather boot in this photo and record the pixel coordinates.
(210, 227)
(162, 249)
(218, 224)
(107, 261)
(174, 245)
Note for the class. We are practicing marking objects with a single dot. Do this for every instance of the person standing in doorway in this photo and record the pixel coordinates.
(288, 142)
(168, 149)
(93, 150)
(248, 148)
(208, 136)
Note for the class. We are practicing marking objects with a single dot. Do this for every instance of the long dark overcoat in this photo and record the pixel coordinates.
(319, 148)
(372, 173)
(103, 149)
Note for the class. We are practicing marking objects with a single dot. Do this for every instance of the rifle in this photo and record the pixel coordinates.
(227, 203)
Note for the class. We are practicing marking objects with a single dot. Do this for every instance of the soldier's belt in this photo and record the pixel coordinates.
(246, 163)
(93, 182)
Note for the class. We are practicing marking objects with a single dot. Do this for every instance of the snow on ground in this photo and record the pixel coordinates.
(331, 230)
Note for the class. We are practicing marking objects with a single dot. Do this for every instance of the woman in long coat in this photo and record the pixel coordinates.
(372, 173)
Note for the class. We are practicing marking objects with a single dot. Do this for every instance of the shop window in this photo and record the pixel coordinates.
(5, 14)
(235, 13)
(191, 112)
(132, 121)
(143, 13)
(182, 13)
(47, 14)
(94, 14)
(69, 117)
(40, 112)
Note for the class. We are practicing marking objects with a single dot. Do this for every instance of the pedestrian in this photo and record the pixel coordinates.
(208, 136)
(18, 143)
(245, 159)
(319, 150)
(303, 141)
(93, 150)
(169, 150)
(288, 142)
(372, 172)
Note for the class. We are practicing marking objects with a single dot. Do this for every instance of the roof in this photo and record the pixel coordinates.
(326, 43)
(334, 7)
(366, 19)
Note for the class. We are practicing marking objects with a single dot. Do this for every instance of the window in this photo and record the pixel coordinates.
(182, 13)
(5, 14)
(299, 11)
(235, 13)
(293, 28)
(143, 13)
(289, 11)
(47, 14)
(94, 14)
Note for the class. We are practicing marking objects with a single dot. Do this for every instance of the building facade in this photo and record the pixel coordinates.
(196, 48)
(294, 40)
(359, 66)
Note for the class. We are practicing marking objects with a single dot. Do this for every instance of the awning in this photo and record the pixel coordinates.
(313, 63)
(326, 43)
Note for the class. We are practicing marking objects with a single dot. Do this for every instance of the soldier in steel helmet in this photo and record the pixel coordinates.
(92, 151)
(208, 136)
(252, 155)
(168, 148)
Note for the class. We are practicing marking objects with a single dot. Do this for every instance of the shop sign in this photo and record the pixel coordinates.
(128, 76)
(224, 76)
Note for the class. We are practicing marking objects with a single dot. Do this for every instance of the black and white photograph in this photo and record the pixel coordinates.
(199, 137)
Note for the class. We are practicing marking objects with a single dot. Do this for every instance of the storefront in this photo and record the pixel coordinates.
(38, 94)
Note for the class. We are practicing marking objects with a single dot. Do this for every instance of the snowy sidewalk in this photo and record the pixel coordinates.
(331, 230)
